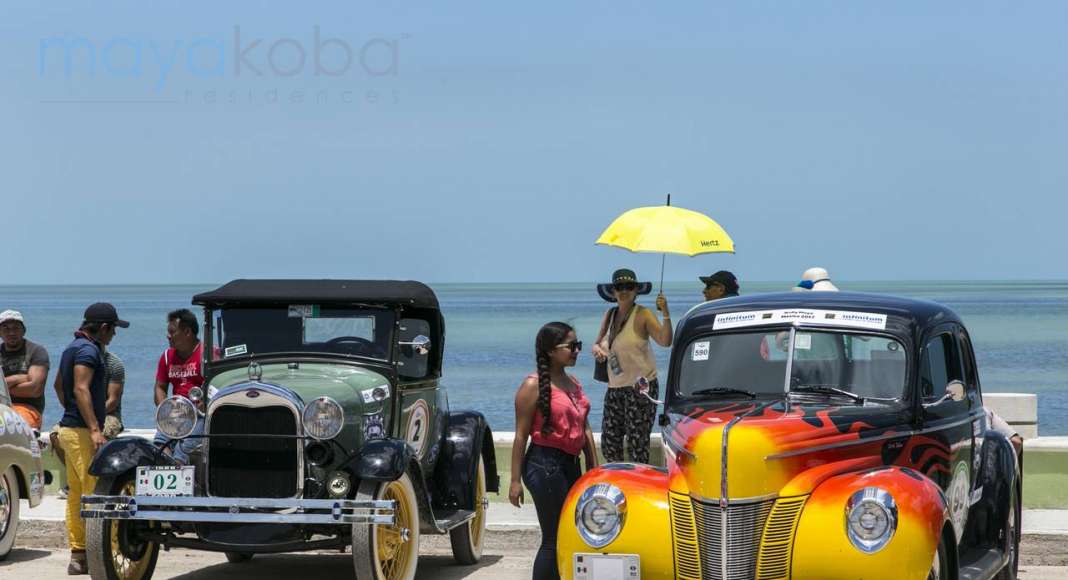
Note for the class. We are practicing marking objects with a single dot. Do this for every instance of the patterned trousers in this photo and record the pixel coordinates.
(628, 415)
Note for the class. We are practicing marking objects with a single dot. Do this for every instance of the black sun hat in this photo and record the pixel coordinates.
(622, 276)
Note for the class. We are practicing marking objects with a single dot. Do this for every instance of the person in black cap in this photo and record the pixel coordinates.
(623, 347)
(81, 385)
(722, 284)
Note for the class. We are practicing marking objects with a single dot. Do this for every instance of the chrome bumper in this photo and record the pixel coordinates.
(238, 510)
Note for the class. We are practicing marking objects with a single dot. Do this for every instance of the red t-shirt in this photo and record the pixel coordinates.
(567, 418)
(182, 374)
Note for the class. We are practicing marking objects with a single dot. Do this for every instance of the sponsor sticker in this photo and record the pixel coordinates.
(369, 394)
(803, 341)
(303, 311)
(35, 448)
(235, 350)
(373, 427)
(841, 318)
(700, 350)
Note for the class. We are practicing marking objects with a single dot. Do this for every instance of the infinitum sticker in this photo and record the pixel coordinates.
(700, 350)
(235, 350)
(843, 318)
(303, 311)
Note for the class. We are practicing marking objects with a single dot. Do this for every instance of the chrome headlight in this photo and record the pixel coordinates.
(176, 417)
(871, 519)
(600, 514)
(323, 418)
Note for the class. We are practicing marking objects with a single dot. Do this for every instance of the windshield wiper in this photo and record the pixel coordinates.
(724, 391)
(826, 390)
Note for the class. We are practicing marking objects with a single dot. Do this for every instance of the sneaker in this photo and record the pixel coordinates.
(78, 566)
(62, 493)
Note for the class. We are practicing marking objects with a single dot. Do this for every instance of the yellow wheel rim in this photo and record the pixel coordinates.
(480, 506)
(394, 549)
(125, 567)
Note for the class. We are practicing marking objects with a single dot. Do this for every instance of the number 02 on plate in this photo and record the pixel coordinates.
(165, 481)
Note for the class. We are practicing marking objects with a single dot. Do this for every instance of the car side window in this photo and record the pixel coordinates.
(413, 361)
(971, 374)
(940, 366)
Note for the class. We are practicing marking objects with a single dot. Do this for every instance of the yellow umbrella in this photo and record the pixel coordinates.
(667, 230)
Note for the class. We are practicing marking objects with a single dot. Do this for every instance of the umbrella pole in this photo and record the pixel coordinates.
(663, 257)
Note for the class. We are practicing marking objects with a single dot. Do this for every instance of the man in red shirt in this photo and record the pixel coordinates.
(180, 368)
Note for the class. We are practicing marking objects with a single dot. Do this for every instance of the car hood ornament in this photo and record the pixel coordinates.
(255, 371)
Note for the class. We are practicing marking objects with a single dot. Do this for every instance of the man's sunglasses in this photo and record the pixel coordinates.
(625, 286)
(574, 346)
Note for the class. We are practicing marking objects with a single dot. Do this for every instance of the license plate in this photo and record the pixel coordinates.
(607, 567)
(165, 481)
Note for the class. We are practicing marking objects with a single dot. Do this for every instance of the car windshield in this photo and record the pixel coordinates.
(862, 364)
(240, 332)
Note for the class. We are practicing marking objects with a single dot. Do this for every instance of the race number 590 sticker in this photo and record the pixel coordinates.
(418, 424)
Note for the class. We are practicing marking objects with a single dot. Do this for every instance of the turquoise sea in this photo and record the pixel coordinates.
(1020, 330)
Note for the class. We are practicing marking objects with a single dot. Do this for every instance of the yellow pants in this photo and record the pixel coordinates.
(79, 451)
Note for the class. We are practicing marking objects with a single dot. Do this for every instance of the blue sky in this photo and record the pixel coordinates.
(488, 141)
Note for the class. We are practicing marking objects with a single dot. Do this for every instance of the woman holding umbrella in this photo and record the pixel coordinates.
(623, 343)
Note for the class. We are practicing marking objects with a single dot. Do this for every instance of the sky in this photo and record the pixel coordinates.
(492, 142)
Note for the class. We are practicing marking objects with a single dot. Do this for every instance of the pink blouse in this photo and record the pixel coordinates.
(568, 412)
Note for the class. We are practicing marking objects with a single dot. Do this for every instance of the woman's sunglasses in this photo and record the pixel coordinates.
(625, 286)
(573, 346)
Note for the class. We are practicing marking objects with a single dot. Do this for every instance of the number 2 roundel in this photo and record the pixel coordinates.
(418, 424)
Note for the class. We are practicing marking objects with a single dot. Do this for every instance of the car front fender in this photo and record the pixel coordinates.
(646, 528)
(822, 548)
(381, 460)
(466, 438)
(125, 453)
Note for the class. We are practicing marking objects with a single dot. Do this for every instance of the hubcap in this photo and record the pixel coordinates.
(5, 505)
(394, 550)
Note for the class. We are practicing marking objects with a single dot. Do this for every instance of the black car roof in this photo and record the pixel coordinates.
(909, 311)
(388, 292)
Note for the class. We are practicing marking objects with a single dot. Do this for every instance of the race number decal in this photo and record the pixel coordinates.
(958, 498)
(417, 427)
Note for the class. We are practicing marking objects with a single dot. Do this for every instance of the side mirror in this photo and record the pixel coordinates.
(420, 344)
(954, 392)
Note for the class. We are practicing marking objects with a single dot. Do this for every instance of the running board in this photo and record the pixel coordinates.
(453, 519)
(983, 568)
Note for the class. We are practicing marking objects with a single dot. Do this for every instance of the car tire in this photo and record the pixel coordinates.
(940, 565)
(9, 511)
(238, 557)
(381, 552)
(467, 539)
(111, 547)
(1012, 540)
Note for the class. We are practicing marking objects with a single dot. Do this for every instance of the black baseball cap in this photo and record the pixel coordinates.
(104, 312)
(724, 277)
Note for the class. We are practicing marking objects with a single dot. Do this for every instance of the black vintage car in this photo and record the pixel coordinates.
(809, 435)
(323, 426)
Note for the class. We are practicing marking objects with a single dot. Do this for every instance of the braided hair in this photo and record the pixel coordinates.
(548, 338)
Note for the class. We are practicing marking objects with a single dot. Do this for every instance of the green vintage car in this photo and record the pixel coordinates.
(21, 476)
(323, 427)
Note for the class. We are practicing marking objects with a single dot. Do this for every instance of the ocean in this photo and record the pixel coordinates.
(1020, 331)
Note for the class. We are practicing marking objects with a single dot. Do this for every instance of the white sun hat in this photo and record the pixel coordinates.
(817, 280)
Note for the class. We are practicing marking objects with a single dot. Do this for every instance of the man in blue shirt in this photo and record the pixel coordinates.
(81, 385)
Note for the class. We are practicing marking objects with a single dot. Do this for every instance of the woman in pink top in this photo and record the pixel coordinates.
(552, 410)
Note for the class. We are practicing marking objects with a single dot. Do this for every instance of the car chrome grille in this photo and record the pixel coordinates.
(684, 532)
(253, 466)
(776, 547)
(728, 538)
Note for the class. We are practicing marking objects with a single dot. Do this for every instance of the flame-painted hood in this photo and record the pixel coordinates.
(772, 448)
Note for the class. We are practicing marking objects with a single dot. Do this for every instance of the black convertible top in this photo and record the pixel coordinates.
(387, 292)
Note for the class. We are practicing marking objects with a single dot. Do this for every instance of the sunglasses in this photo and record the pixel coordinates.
(573, 346)
(625, 286)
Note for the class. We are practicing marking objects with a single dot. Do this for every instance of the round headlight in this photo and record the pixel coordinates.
(176, 417)
(871, 519)
(600, 514)
(323, 418)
